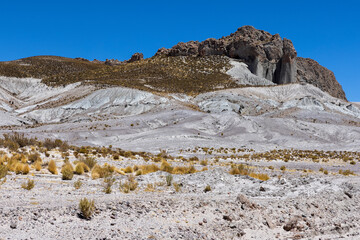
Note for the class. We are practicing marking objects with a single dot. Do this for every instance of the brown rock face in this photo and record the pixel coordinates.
(312, 72)
(268, 56)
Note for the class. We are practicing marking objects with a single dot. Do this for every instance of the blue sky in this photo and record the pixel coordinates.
(327, 31)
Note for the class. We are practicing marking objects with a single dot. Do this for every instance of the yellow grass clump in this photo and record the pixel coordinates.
(52, 167)
(37, 166)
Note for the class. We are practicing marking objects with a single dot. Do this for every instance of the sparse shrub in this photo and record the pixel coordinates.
(138, 172)
(260, 176)
(282, 168)
(108, 182)
(128, 154)
(101, 172)
(177, 187)
(67, 171)
(204, 162)
(34, 157)
(77, 184)
(207, 188)
(52, 167)
(184, 170)
(80, 168)
(116, 157)
(150, 187)
(321, 169)
(346, 172)
(129, 169)
(129, 185)
(166, 167)
(352, 162)
(3, 171)
(87, 208)
(271, 167)
(89, 161)
(326, 172)
(28, 185)
(169, 179)
(19, 168)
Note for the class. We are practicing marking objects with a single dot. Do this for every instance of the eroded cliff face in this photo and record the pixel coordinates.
(268, 56)
(310, 71)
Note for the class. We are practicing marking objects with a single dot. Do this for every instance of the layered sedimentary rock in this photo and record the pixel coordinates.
(268, 56)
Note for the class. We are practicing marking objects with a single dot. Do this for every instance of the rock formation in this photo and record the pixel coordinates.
(136, 57)
(268, 56)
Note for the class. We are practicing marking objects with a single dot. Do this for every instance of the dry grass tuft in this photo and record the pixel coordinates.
(28, 185)
(87, 208)
(245, 170)
(52, 167)
(129, 185)
(67, 171)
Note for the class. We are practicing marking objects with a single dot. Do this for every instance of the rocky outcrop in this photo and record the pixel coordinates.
(136, 57)
(267, 56)
(312, 72)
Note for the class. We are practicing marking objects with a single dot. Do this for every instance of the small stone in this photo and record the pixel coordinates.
(291, 224)
(204, 220)
(348, 194)
(13, 225)
(227, 218)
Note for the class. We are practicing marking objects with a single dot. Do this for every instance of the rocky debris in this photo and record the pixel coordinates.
(113, 62)
(245, 202)
(267, 56)
(312, 72)
(82, 59)
(136, 57)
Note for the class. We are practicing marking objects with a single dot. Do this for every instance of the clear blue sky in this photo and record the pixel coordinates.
(327, 31)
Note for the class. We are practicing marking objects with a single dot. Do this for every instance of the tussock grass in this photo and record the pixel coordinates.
(129, 185)
(87, 208)
(67, 171)
(101, 172)
(28, 185)
(52, 167)
(78, 184)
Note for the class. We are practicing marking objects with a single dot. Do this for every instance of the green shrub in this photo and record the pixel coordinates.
(169, 179)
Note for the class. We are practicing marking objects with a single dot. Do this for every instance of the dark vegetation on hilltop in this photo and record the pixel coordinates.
(184, 74)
